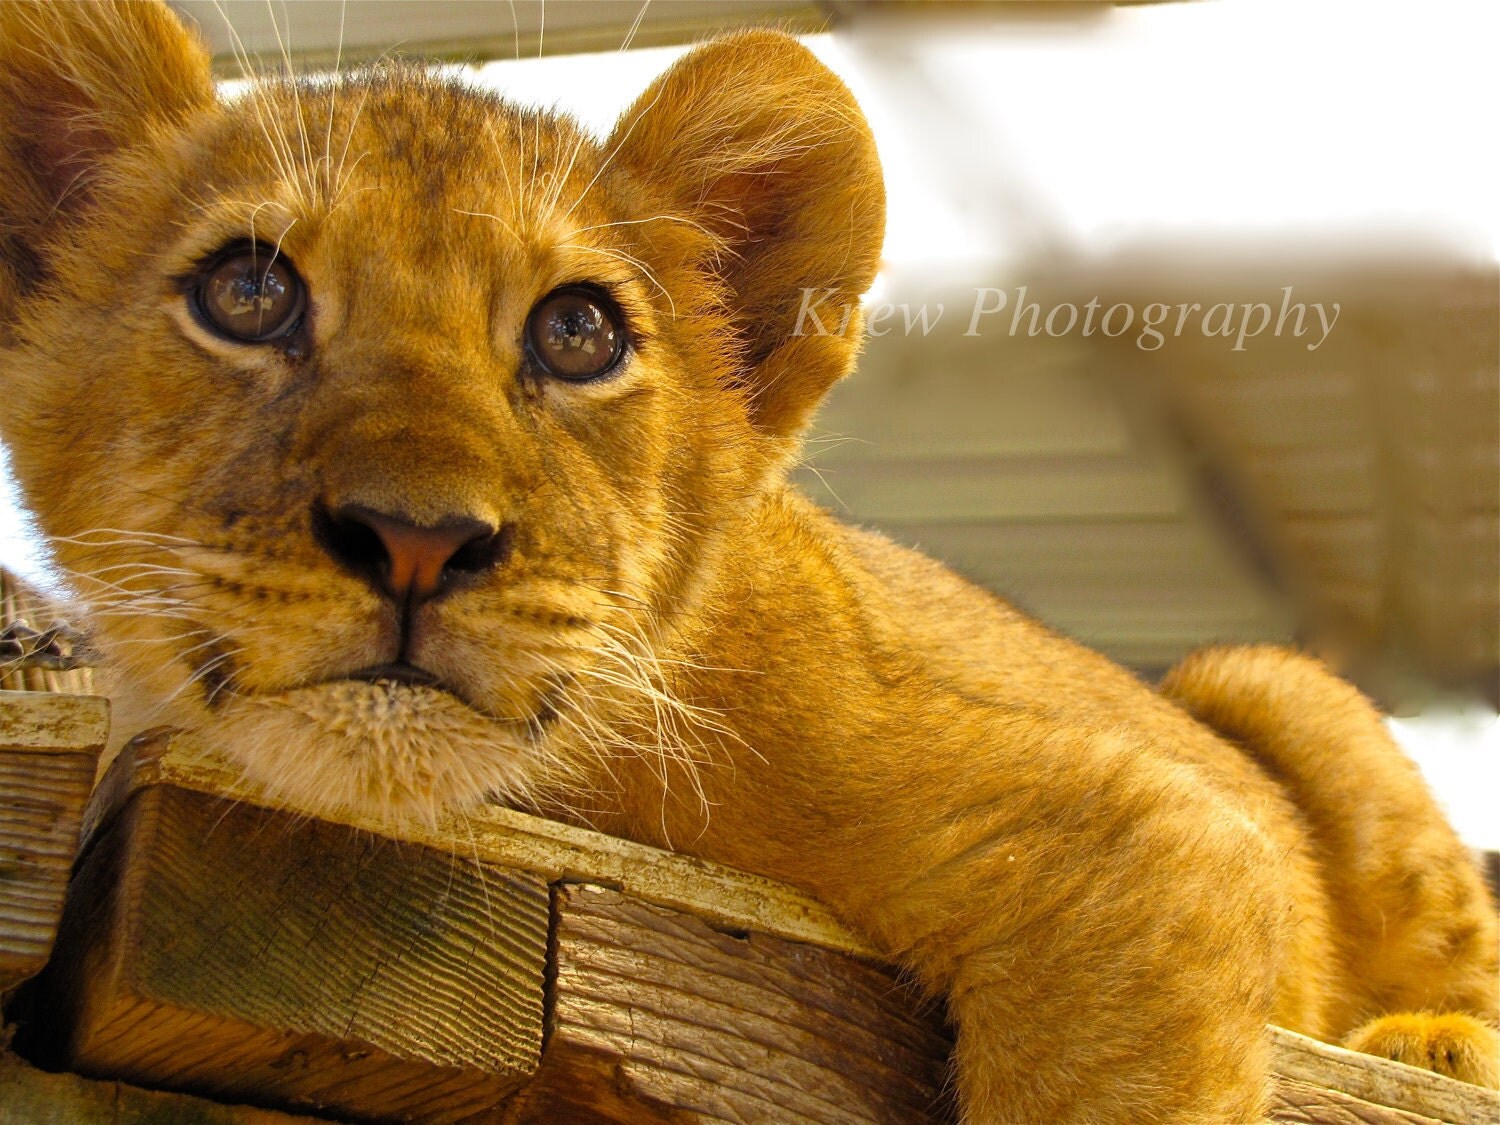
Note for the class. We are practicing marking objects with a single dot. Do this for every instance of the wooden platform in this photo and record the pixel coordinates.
(498, 970)
(48, 747)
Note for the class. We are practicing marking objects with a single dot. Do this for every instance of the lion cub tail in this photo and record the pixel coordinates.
(1416, 927)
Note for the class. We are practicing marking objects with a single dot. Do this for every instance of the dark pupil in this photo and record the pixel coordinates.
(576, 328)
(249, 299)
(577, 339)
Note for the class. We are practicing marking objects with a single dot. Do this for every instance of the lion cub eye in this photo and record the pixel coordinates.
(251, 295)
(575, 334)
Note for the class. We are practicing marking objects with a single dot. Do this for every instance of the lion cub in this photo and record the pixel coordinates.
(422, 451)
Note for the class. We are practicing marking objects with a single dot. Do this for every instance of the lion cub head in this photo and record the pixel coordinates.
(385, 432)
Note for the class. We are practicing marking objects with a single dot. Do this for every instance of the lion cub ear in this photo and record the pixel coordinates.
(78, 83)
(753, 138)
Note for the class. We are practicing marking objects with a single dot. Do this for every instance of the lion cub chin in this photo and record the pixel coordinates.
(415, 449)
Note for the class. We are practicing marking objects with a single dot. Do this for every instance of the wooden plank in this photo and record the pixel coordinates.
(33, 1097)
(1043, 397)
(1381, 1081)
(214, 947)
(1302, 1103)
(49, 746)
(657, 1016)
(516, 841)
(318, 34)
(44, 722)
(914, 491)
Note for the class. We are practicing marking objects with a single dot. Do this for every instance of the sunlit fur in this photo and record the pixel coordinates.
(679, 648)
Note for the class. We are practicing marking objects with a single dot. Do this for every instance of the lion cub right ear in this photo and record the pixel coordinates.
(80, 83)
(754, 140)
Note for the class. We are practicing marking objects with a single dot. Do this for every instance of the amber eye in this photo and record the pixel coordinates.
(251, 295)
(575, 334)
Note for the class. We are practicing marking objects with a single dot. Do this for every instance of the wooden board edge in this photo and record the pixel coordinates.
(1294, 1102)
(723, 896)
(1381, 1081)
(45, 722)
(29, 1096)
(49, 752)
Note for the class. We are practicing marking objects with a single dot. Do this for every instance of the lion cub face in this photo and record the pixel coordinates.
(387, 432)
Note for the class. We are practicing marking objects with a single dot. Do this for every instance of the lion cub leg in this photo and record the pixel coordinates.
(1416, 960)
(1108, 958)
(1042, 1067)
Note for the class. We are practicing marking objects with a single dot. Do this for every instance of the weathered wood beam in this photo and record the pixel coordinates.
(220, 948)
(49, 747)
(514, 840)
(1419, 1093)
(658, 1016)
(33, 1097)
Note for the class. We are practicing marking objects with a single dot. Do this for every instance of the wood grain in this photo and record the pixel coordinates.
(49, 745)
(1381, 1081)
(219, 948)
(1302, 1103)
(33, 1097)
(517, 841)
(658, 1017)
(42, 722)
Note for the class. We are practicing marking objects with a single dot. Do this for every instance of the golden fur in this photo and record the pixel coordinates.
(1114, 888)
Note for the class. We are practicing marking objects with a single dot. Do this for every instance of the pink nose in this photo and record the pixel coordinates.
(410, 563)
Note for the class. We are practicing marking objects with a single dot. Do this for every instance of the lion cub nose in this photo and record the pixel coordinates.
(408, 562)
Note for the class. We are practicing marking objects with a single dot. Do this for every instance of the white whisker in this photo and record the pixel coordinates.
(612, 154)
(635, 26)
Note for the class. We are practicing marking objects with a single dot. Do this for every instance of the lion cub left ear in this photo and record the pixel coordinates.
(80, 82)
(754, 139)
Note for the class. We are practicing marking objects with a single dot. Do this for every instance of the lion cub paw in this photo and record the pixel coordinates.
(1451, 1043)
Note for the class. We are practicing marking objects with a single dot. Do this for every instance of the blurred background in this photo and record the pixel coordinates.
(1187, 325)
